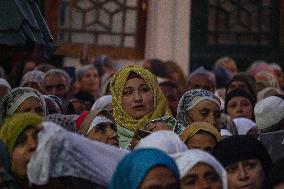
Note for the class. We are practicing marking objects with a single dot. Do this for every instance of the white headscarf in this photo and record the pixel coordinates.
(167, 141)
(62, 153)
(244, 125)
(97, 120)
(102, 102)
(187, 160)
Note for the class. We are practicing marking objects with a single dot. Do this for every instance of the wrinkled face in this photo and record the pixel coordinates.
(238, 85)
(104, 133)
(240, 107)
(245, 174)
(31, 104)
(203, 141)
(160, 177)
(207, 111)
(201, 176)
(56, 85)
(90, 81)
(172, 96)
(137, 98)
(23, 150)
(200, 81)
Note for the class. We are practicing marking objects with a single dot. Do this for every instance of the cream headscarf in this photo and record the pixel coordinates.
(117, 85)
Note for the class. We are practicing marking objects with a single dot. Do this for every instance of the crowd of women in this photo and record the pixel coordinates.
(146, 127)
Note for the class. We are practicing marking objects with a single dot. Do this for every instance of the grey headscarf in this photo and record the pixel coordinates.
(190, 99)
(33, 76)
(65, 121)
(12, 100)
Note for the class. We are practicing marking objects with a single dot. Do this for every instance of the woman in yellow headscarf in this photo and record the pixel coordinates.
(201, 135)
(136, 99)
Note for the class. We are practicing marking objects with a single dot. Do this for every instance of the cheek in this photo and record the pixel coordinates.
(232, 179)
(258, 176)
(19, 160)
(125, 102)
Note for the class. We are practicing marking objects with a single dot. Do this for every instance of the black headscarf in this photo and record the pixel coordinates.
(243, 147)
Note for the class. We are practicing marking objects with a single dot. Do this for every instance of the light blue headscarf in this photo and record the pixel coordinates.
(134, 167)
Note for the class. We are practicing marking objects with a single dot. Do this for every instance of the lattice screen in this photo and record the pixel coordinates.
(101, 22)
(243, 22)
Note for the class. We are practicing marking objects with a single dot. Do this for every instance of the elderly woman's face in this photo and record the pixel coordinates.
(201, 176)
(31, 104)
(245, 174)
(137, 98)
(207, 111)
(24, 148)
(160, 177)
(105, 133)
(239, 107)
(90, 81)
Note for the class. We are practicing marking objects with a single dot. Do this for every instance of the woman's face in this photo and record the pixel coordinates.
(201, 176)
(105, 134)
(137, 98)
(160, 177)
(207, 111)
(203, 141)
(23, 150)
(31, 104)
(245, 174)
(90, 81)
(239, 107)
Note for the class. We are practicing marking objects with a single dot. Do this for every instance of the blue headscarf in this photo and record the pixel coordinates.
(134, 167)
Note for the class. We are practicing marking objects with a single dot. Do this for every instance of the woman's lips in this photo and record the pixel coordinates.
(138, 107)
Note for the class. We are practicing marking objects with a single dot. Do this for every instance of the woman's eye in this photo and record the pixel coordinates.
(213, 177)
(250, 165)
(233, 105)
(190, 182)
(145, 89)
(127, 92)
(204, 113)
(232, 169)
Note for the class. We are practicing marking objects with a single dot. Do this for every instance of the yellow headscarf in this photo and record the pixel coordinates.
(15, 125)
(117, 84)
(193, 128)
